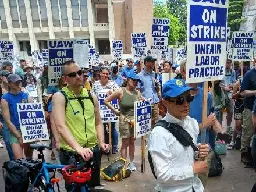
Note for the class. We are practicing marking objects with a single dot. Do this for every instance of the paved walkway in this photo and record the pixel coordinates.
(235, 177)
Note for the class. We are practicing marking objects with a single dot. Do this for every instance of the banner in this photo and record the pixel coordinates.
(254, 48)
(107, 115)
(207, 36)
(139, 45)
(60, 51)
(81, 52)
(32, 122)
(142, 114)
(242, 46)
(160, 34)
(6, 51)
(117, 49)
(45, 55)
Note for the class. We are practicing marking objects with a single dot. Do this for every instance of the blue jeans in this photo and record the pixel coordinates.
(6, 136)
(114, 134)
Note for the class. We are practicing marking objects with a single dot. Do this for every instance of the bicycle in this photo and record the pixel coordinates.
(77, 175)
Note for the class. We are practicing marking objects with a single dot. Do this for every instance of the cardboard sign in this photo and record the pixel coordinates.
(60, 51)
(32, 122)
(180, 54)
(6, 51)
(139, 45)
(242, 46)
(91, 54)
(117, 49)
(81, 52)
(107, 115)
(207, 36)
(160, 34)
(143, 115)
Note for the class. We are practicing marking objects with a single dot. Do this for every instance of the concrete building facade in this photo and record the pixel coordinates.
(30, 23)
(249, 15)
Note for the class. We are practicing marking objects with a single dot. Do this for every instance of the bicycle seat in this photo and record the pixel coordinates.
(38, 147)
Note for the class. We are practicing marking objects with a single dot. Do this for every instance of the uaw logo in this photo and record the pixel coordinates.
(179, 83)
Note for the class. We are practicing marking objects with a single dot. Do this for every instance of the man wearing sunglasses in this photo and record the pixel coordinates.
(174, 164)
(77, 119)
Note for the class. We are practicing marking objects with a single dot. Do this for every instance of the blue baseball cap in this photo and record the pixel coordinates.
(133, 76)
(174, 88)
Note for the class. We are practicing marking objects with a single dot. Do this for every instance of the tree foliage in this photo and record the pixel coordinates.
(235, 14)
(178, 8)
(162, 11)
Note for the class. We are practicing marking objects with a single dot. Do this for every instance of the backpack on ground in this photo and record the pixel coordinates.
(116, 171)
(216, 166)
(16, 176)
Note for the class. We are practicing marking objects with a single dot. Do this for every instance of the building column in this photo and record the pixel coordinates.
(12, 36)
(111, 23)
(70, 20)
(50, 21)
(91, 22)
(32, 37)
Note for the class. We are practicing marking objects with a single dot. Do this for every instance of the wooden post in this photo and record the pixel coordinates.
(143, 143)
(110, 138)
(204, 113)
(242, 69)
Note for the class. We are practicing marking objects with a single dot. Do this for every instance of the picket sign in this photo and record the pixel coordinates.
(142, 125)
(206, 47)
(32, 122)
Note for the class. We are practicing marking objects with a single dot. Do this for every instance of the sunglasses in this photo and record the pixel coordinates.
(73, 74)
(86, 76)
(181, 100)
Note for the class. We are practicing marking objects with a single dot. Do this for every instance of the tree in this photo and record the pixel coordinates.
(178, 8)
(235, 14)
(162, 11)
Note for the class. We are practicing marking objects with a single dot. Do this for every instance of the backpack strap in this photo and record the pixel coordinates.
(67, 99)
(179, 133)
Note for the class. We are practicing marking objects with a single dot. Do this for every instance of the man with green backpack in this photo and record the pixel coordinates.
(77, 119)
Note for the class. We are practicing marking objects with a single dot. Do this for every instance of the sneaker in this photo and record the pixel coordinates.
(230, 130)
(1, 145)
(132, 166)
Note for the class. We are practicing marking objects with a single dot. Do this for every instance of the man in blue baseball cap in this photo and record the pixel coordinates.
(175, 165)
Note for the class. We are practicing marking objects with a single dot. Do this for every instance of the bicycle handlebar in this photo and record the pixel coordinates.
(81, 166)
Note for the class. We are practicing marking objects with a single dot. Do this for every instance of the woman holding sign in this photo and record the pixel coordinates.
(9, 109)
(104, 85)
(126, 96)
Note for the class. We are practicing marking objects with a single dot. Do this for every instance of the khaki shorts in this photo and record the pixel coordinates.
(125, 129)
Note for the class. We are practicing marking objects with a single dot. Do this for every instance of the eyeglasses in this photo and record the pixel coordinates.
(73, 74)
(181, 100)
(86, 76)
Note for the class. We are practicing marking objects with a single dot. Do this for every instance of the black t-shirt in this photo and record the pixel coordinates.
(249, 83)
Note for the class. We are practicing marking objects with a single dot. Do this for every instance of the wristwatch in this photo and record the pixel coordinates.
(196, 155)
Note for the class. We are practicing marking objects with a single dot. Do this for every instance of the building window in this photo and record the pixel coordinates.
(43, 12)
(64, 15)
(14, 14)
(75, 13)
(23, 15)
(55, 13)
(42, 45)
(35, 13)
(84, 13)
(104, 47)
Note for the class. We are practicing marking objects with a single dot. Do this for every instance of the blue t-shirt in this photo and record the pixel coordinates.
(50, 107)
(52, 89)
(249, 83)
(196, 109)
(125, 72)
(12, 103)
